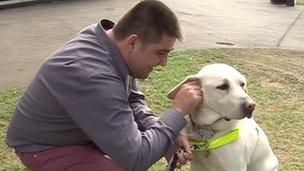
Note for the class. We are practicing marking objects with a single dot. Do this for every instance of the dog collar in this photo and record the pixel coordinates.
(213, 143)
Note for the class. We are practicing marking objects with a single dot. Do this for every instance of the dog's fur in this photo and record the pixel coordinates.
(227, 105)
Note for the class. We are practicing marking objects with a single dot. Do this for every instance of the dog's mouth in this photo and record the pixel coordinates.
(227, 119)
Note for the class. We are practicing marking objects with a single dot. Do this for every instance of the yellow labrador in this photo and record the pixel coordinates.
(222, 130)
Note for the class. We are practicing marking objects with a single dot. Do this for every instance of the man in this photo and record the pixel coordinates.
(83, 109)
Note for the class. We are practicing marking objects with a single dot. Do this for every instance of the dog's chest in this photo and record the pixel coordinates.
(233, 156)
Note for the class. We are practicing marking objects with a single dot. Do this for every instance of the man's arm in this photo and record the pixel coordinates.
(143, 115)
(98, 104)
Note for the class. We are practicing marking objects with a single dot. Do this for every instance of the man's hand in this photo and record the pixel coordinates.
(188, 97)
(185, 154)
(183, 151)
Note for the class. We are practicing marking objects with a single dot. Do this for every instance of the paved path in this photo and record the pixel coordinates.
(30, 34)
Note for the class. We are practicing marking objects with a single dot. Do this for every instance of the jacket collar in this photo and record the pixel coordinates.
(109, 44)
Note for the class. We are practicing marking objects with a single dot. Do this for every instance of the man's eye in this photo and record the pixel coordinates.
(161, 54)
(223, 87)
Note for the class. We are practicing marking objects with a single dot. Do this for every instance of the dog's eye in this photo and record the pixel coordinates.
(242, 84)
(223, 87)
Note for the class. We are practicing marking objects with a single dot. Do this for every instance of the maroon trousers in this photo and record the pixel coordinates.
(69, 158)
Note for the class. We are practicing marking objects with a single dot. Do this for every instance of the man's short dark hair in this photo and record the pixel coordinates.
(150, 20)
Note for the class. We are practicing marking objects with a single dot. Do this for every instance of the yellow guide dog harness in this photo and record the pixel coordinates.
(213, 143)
(207, 145)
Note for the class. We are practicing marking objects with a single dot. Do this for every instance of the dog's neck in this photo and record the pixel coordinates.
(200, 130)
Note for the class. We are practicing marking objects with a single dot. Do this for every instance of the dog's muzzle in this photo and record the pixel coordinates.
(247, 109)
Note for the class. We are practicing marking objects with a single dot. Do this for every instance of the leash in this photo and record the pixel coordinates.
(172, 163)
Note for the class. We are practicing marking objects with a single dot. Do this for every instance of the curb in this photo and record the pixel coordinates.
(4, 4)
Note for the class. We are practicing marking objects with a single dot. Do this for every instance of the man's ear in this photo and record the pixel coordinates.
(132, 41)
(173, 92)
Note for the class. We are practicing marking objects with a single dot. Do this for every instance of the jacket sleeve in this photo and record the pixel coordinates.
(143, 115)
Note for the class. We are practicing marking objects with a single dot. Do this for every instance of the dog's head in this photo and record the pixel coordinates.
(224, 94)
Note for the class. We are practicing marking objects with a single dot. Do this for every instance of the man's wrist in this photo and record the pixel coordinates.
(174, 119)
(180, 111)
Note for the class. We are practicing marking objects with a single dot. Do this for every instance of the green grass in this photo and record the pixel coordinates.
(8, 99)
(275, 81)
(7, 102)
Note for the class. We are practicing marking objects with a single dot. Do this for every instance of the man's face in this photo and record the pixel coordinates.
(145, 57)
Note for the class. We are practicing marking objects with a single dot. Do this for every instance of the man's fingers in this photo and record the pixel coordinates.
(193, 82)
(181, 158)
(187, 148)
(178, 165)
(195, 87)
(200, 92)
(187, 156)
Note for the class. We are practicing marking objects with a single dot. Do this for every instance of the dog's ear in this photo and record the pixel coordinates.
(173, 92)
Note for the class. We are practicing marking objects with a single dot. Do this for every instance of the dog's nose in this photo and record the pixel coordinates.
(248, 108)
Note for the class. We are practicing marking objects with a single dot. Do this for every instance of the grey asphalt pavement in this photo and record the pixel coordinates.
(30, 34)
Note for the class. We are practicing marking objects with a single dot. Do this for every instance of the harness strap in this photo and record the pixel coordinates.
(213, 143)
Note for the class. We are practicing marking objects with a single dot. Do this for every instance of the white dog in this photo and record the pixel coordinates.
(224, 134)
